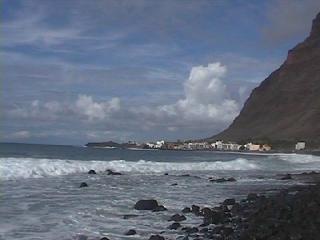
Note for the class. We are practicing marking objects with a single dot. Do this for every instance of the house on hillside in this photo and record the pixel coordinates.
(252, 147)
(300, 146)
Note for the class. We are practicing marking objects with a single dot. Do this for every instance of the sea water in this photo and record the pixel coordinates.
(40, 196)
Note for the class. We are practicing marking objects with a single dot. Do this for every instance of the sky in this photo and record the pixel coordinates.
(77, 71)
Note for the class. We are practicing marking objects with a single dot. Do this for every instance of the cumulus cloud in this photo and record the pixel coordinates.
(95, 110)
(84, 106)
(206, 97)
(206, 106)
(21, 135)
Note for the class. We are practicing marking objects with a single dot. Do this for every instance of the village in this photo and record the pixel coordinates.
(214, 146)
(218, 145)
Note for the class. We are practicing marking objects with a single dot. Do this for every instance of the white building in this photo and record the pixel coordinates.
(217, 145)
(252, 147)
(300, 146)
(198, 145)
(158, 144)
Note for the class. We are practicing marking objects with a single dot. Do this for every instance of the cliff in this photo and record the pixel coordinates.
(286, 105)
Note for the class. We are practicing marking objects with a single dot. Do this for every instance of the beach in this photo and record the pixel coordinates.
(41, 195)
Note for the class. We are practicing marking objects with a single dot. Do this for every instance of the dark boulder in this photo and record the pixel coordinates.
(131, 232)
(110, 172)
(174, 184)
(128, 216)
(222, 180)
(216, 217)
(174, 226)
(186, 210)
(231, 179)
(92, 171)
(206, 211)
(190, 229)
(195, 209)
(156, 237)
(104, 238)
(252, 197)
(177, 218)
(83, 184)
(287, 177)
(229, 201)
(150, 204)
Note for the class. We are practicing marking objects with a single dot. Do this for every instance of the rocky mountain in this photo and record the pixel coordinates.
(286, 105)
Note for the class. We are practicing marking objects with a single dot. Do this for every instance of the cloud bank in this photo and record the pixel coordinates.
(206, 103)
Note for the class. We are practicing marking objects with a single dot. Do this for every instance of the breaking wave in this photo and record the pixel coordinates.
(17, 168)
(299, 158)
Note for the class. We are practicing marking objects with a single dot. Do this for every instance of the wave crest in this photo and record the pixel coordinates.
(17, 168)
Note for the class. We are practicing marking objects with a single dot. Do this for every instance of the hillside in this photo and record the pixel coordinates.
(286, 105)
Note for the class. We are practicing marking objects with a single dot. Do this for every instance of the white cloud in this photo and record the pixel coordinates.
(206, 97)
(20, 134)
(84, 106)
(205, 108)
(95, 110)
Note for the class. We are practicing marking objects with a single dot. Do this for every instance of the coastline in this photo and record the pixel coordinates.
(291, 213)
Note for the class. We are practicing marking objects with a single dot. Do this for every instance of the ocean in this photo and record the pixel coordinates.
(40, 196)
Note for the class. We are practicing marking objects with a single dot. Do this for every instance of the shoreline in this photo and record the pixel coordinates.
(280, 215)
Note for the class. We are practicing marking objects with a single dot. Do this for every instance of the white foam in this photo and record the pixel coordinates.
(16, 168)
(299, 158)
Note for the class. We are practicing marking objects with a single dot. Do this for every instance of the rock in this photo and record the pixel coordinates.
(128, 216)
(174, 226)
(204, 230)
(177, 218)
(92, 171)
(227, 230)
(222, 180)
(231, 179)
(174, 184)
(131, 232)
(190, 229)
(166, 174)
(287, 177)
(83, 184)
(110, 172)
(216, 217)
(195, 209)
(206, 212)
(104, 238)
(156, 237)
(159, 209)
(229, 201)
(186, 210)
(252, 197)
(146, 205)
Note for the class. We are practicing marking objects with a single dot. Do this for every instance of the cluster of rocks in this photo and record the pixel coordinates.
(108, 171)
(292, 214)
(93, 172)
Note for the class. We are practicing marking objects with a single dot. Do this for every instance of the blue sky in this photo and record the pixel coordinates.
(75, 71)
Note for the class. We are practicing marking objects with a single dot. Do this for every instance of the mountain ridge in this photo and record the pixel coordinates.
(286, 105)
